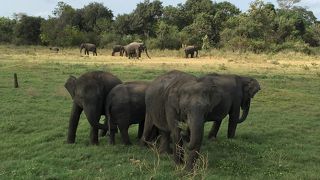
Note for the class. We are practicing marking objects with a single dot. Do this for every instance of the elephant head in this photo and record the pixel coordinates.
(70, 85)
(196, 101)
(81, 47)
(143, 47)
(250, 87)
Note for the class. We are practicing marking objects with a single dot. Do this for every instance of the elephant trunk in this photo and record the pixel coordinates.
(245, 106)
(147, 53)
(196, 126)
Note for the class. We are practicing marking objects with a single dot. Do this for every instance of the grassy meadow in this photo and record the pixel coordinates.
(279, 140)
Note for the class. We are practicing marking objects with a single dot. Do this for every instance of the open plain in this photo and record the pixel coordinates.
(279, 140)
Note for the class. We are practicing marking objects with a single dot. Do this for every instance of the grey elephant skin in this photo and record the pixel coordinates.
(125, 105)
(179, 98)
(237, 94)
(54, 49)
(88, 47)
(134, 49)
(88, 93)
(117, 48)
(190, 50)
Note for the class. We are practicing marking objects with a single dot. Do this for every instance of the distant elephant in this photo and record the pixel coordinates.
(191, 50)
(88, 47)
(125, 105)
(134, 49)
(117, 48)
(178, 98)
(88, 93)
(237, 93)
(54, 49)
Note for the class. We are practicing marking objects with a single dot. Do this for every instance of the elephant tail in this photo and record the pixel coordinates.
(245, 111)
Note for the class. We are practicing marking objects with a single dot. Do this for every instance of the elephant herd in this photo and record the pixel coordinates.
(133, 50)
(172, 108)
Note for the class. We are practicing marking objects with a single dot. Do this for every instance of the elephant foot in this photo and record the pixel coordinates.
(71, 140)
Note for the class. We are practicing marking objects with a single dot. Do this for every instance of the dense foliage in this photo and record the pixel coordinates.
(263, 28)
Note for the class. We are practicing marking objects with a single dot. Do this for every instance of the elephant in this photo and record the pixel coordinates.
(54, 49)
(117, 48)
(134, 49)
(88, 93)
(88, 47)
(125, 105)
(178, 98)
(191, 50)
(237, 93)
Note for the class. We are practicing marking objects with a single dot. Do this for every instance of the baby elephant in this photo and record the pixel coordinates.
(125, 105)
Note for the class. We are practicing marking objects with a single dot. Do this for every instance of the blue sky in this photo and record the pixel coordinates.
(45, 7)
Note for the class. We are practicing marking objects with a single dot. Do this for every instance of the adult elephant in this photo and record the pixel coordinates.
(117, 48)
(177, 98)
(134, 49)
(125, 105)
(190, 50)
(237, 93)
(88, 93)
(88, 47)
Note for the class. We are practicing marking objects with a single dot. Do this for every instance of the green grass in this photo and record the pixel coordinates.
(279, 140)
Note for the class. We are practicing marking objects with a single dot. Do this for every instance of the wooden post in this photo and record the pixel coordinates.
(16, 85)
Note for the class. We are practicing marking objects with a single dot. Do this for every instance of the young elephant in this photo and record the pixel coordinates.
(237, 93)
(117, 48)
(125, 105)
(177, 98)
(88, 93)
(88, 47)
(191, 50)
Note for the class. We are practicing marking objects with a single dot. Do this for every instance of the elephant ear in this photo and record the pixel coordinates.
(251, 87)
(70, 85)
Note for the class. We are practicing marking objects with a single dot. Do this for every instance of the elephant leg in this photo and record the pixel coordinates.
(113, 130)
(94, 136)
(214, 130)
(73, 123)
(192, 54)
(140, 129)
(192, 157)
(178, 151)
(148, 125)
(124, 134)
(164, 146)
(196, 53)
(112, 54)
(93, 116)
(138, 53)
(232, 126)
(95, 52)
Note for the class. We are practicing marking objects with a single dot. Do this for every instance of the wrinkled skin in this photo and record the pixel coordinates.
(117, 48)
(191, 50)
(134, 49)
(88, 93)
(88, 47)
(54, 49)
(125, 105)
(180, 98)
(237, 93)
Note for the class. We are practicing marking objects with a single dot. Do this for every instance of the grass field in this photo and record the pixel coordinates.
(279, 140)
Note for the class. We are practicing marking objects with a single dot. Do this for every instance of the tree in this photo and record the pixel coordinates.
(6, 29)
(27, 30)
(287, 4)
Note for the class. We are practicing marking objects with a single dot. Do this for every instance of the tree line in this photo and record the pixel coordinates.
(263, 28)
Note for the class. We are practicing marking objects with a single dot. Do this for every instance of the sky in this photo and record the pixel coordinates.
(44, 8)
